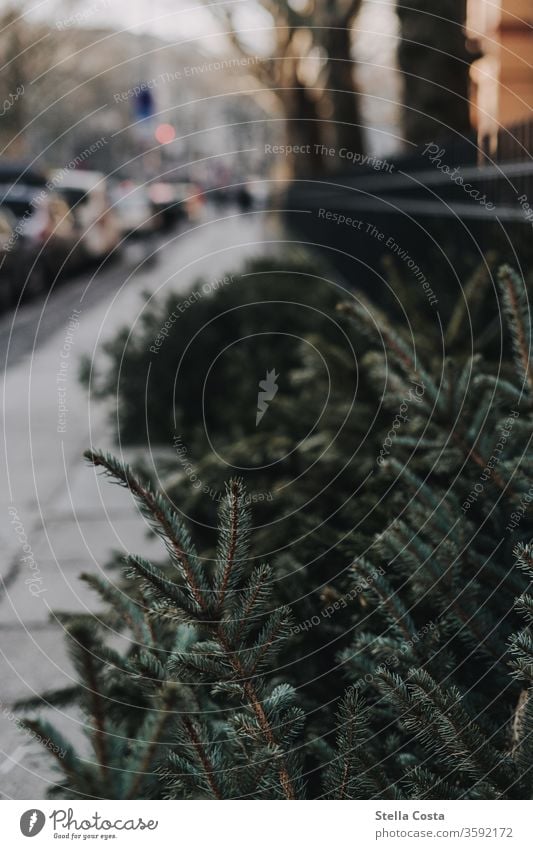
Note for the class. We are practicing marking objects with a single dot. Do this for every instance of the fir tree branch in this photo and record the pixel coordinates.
(209, 771)
(518, 312)
(83, 652)
(164, 720)
(162, 517)
(161, 514)
(258, 709)
(235, 495)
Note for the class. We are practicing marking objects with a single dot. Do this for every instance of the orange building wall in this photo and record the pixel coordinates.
(502, 80)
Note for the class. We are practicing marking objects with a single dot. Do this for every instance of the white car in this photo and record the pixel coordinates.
(136, 216)
(87, 194)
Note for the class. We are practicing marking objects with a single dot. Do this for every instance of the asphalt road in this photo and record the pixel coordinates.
(57, 518)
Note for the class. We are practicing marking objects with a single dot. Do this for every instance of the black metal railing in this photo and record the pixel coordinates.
(439, 200)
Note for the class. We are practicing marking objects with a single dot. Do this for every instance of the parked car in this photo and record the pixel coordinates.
(137, 218)
(21, 186)
(87, 194)
(51, 230)
(20, 269)
(20, 198)
(14, 172)
(170, 201)
(44, 220)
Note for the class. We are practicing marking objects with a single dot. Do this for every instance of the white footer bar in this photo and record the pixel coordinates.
(261, 825)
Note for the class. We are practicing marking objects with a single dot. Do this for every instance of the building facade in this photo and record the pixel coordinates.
(502, 79)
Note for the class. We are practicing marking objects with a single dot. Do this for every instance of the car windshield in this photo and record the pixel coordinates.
(74, 197)
(19, 208)
(18, 198)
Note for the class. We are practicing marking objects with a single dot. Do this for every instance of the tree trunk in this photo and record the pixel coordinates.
(435, 63)
(344, 128)
(14, 78)
(303, 127)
